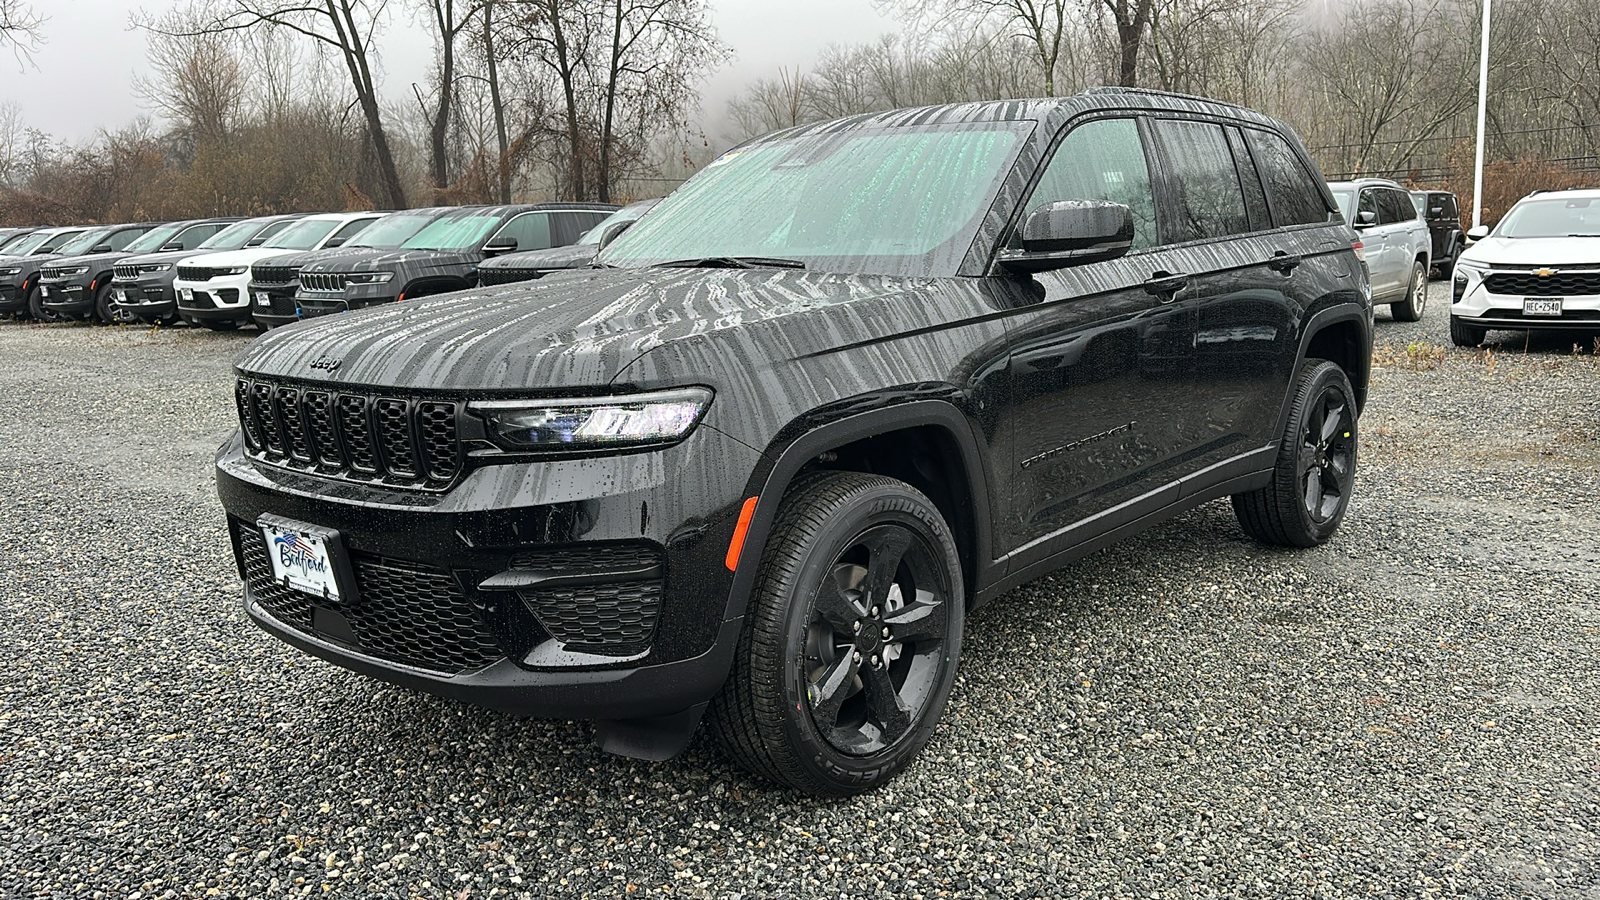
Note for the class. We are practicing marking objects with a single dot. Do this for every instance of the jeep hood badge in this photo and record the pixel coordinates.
(326, 363)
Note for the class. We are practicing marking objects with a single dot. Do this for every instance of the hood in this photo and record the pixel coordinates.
(32, 257)
(90, 259)
(343, 259)
(572, 256)
(225, 258)
(1554, 251)
(162, 256)
(578, 331)
(396, 260)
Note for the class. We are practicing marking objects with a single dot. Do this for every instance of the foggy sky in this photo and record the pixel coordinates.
(81, 80)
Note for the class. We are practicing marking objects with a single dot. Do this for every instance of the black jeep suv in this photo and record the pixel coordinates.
(849, 381)
(141, 286)
(20, 264)
(1439, 210)
(442, 257)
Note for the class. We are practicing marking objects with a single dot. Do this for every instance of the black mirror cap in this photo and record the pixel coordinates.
(167, 247)
(332, 243)
(615, 232)
(500, 245)
(1069, 233)
(101, 248)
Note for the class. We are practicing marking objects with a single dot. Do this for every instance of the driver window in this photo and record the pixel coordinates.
(1369, 204)
(1102, 160)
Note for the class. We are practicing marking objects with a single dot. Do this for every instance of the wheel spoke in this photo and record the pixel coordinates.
(1340, 464)
(887, 549)
(839, 606)
(920, 620)
(887, 707)
(1314, 489)
(829, 692)
(1308, 456)
(1330, 422)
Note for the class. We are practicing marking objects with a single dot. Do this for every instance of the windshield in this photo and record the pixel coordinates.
(234, 236)
(1556, 217)
(14, 240)
(29, 243)
(454, 232)
(303, 235)
(83, 242)
(1344, 199)
(152, 239)
(904, 200)
(389, 232)
(626, 214)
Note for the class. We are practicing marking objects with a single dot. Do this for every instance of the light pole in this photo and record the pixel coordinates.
(1483, 106)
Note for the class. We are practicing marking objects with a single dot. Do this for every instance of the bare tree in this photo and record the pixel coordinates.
(197, 83)
(449, 19)
(1045, 26)
(20, 27)
(347, 27)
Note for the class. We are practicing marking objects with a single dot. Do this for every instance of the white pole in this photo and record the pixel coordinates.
(1483, 107)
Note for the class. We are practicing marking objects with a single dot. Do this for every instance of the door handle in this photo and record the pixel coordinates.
(1283, 262)
(1166, 285)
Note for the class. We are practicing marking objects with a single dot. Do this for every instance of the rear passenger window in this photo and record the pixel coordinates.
(351, 229)
(1102, 160)
(199, 234)
(1293, 193)
(1203, 182)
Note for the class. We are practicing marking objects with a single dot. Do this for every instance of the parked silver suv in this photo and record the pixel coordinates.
(1396, 241)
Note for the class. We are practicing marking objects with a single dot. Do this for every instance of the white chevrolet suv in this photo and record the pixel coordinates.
(211, 288)
(1538, 269)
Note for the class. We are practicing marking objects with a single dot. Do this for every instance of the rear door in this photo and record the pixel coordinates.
(1382, 252)
(1100, 355)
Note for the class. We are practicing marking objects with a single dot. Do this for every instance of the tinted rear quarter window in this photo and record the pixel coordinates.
(530, 230)
(1396, 206)
(1292, 191)
(351, 229)
(1202, 181)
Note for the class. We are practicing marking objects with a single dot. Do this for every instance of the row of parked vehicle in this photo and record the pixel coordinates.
(226, 272)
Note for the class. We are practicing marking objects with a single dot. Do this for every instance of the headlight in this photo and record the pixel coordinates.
(73, 272)
(368, 277)
(155, 267)
(595, 423)
(1474, 265)
(10, 270)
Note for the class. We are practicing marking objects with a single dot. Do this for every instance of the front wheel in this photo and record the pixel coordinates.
(102, 306)
(1465, 335)
(1410, 309)
(36, 307)
(1316, 468)
(852, 638)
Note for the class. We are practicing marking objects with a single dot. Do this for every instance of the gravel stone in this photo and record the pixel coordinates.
(1408, 710)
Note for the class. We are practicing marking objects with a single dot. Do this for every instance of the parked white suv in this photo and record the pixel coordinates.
(1538, 269)
(1396, 241)
(212, 289)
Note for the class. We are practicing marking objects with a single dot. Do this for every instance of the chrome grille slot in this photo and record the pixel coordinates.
(125, 273)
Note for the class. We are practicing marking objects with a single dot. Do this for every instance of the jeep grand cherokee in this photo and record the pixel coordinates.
(847, 382)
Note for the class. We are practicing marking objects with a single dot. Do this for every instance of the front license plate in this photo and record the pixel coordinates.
(187, 294)
(302, 558)
(263, 298)
(1541, 306)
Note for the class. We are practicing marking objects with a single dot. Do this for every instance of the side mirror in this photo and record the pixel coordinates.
(1069, 233)
(100, 248)
(166, 247)
(332, 243)
(614, 232)
(1477, 233)
(501, 244)
(1436, 212)
(1366, 218)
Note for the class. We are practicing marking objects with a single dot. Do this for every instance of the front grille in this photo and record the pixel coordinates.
(125, 273)
(1561, 284)
(199, 300)
(322, 282)
(602, 598)
(506, 275)
(54, 274)
(357, 436)
(403, 612)
(273, 274)
(195, 273)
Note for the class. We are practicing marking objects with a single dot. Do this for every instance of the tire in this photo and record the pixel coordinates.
(36, 307)
(818, 698)
(102, 305)
(1465, 335)
(219, 324)
(1410, 309)
(1314, 476)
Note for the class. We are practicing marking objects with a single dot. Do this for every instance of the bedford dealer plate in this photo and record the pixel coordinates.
(302, 558)
(1541, 306)
(263, 298)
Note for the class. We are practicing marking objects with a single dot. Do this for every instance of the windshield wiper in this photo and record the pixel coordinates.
(1587, 234)
(733, 262)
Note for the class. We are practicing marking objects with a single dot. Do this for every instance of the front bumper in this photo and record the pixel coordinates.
(217, 299)
(69, 298)
(273, 304)
(14, 296)
(149, 300)
(1479, 297)
(563, 534)
(354, 296)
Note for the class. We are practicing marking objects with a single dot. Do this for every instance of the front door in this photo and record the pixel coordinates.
(1101, 355)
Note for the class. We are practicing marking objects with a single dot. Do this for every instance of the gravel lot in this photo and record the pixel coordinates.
(1408, 710)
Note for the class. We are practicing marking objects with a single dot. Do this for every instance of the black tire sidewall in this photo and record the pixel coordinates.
(1321, 377)
(837, 771)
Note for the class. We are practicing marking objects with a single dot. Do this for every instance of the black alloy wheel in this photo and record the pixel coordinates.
(851, 640)
(1314, 477)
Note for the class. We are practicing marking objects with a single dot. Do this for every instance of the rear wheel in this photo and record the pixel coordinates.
(1410, 309)
(1315, 473)
(853, 635)
(1465, 335)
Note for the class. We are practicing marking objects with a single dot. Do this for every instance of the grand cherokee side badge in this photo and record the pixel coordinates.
(326, 363)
